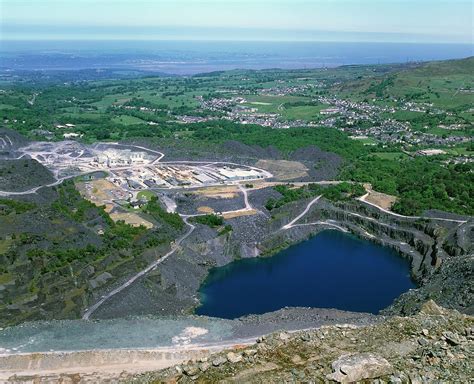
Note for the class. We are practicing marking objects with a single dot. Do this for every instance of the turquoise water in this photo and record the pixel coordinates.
(331, 270)
(124, 333)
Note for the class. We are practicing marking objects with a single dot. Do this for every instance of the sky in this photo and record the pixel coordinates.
(426, 21)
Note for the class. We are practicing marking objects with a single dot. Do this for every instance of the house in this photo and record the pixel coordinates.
(71, 135)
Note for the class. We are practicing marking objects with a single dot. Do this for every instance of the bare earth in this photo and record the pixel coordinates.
(103, 192)
(224, 192)
(95, 365)
(379, 199)
(205, 209)
(131, 218)
(233, 214)
(283, 169)
(100, 191)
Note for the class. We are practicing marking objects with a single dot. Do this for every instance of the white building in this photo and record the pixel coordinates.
(116, 158)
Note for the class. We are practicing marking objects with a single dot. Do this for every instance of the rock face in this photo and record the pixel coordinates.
(350, 368)
(441, 253)
(452, 285)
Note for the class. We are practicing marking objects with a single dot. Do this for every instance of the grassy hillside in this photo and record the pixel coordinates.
(439, 83)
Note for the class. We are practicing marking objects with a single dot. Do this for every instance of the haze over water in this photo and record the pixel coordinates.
(191, 57)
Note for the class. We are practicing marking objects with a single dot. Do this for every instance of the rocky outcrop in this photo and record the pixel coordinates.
(350, 368)
(440, 251)
(434, 345)
(452, 285)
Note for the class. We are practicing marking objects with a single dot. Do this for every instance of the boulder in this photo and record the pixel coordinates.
(190, 370)
(250, 352)
(350, 368)
(234, 357)
(431, 308)
(219, 361)
(452, 338)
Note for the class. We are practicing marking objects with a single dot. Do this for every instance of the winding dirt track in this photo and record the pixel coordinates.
(363, 199)
(308, 207)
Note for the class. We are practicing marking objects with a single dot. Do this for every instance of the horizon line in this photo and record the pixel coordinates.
(467, 43)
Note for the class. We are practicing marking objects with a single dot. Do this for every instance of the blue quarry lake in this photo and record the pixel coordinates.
(330, 270)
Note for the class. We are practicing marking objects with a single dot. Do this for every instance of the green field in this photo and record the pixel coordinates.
(127, 120)
(460, 151)
(391, 155)
(366, 141)
(147, 195)
(271, 104)
(6, 106)
(449, 132)
(307, 112)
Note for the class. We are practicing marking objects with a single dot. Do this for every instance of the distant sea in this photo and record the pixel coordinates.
(191, 57)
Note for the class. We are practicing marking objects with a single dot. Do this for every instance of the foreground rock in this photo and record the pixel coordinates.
(350, 368)
(434, 345)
